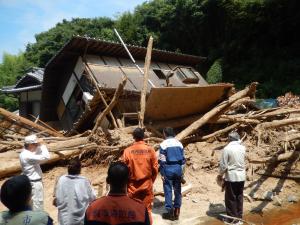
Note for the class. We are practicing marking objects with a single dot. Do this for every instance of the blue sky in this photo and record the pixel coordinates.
(20, 20)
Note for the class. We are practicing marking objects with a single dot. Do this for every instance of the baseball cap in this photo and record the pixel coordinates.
(31, 139)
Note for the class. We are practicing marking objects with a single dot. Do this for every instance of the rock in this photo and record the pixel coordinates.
(292, 198)
(277, 201)
(268, 195)
(186, 189)
(194, 200)
(195, 167)
(157, 203)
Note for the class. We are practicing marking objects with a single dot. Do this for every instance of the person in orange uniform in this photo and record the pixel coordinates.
(143, 166)
(117, 208)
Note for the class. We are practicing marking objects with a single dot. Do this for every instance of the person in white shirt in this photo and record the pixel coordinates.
(232, 165)
(72, 195)
(33, 154)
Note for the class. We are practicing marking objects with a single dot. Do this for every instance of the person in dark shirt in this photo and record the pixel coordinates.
(16, 196)
(117, 208)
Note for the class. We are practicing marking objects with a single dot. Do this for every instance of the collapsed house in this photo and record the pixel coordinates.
(84, 65)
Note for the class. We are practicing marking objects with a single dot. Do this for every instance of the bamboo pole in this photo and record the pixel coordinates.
(145, 86)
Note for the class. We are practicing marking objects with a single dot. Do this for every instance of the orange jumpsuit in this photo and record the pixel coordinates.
(143, 166)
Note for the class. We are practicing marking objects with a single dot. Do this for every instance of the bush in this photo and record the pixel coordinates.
(214, 74)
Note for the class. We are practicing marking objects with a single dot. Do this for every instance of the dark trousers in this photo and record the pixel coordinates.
(234, 198)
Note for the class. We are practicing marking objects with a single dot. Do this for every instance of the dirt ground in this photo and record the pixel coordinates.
(200, 206)
(205, 201)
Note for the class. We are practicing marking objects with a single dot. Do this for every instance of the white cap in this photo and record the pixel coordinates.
(234, 136)
(31, 139)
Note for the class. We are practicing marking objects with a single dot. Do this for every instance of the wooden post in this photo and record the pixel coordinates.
(216, 111)
(113, 102)
(90, 73)
(145, 86)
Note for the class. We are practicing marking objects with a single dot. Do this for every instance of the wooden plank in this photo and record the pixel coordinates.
(166, 103)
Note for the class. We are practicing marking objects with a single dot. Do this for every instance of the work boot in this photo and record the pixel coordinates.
(176, 213)
(168, 215)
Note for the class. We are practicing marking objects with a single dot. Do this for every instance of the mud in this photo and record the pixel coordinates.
(286, 215)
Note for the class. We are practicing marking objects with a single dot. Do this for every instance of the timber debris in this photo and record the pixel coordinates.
(271, 135)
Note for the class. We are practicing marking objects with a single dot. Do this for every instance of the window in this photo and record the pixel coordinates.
(74, 105)
(160, 74)
(187, 75)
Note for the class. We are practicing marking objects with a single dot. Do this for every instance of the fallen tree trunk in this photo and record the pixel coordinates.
(239, 119)
(216, 111)
(71, 143)
(278, 123)
(277, 112)
(215, 134)
(9, 171)
(280, 158)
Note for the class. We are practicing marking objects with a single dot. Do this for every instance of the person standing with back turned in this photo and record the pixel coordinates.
(232, 164)
(16, 196)
(73, 194)
(171, 161)
(143, 166)
(117, 208)
(33, 154)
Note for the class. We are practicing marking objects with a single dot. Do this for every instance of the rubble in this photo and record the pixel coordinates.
(289, 99)
(267, 129)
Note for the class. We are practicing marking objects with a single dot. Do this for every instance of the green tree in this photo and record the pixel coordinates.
(214, 74)
(11, 67)
(48, 43)
(257, 40)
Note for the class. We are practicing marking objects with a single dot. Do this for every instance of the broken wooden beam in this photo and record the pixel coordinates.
(91, 75)
(26, 122)
(113, 102)
(145, 84)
